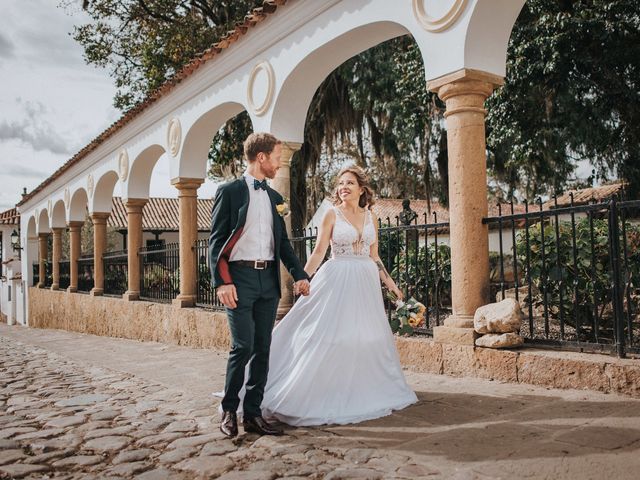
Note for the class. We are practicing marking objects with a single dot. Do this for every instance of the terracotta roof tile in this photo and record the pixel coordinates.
(10, 217)
(586, 195)
(160, 214)
(256, 15)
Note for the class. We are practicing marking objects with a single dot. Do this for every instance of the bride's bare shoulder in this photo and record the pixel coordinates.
(329, 215)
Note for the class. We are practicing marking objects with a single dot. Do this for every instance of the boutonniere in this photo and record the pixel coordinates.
(283, 209)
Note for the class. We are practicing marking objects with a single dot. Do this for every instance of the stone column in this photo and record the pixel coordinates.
(134, 242)
(75, 229)
(282, 183)
(188, 201)
(99, 220)
(57, 254)
(464, 93)
(43, 252)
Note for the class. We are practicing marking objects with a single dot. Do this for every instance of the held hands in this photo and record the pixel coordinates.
(227, 295)
(301, 287)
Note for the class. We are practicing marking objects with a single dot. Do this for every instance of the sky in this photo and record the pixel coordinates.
(51, 103)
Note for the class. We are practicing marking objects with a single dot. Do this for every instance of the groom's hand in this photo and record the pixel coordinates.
(227, 295)
(301, 287)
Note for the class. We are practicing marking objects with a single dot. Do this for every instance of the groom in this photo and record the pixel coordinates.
(248, 239)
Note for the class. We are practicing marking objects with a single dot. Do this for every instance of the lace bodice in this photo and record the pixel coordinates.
(345, 240)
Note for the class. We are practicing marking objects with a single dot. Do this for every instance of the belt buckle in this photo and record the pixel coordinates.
(260, 264)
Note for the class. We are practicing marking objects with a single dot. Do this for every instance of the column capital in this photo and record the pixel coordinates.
(42, 235)
(135, 205)
(462, 76)
(288, 150)
(75, 224)
(185, 183)
(57, 230)
(100, 217)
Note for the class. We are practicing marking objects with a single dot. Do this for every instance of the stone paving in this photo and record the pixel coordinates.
(76, 406)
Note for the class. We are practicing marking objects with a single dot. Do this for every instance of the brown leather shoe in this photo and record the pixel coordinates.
(229, 424)
(260, 426)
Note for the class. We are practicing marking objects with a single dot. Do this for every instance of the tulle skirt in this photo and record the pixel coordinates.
(333, 357)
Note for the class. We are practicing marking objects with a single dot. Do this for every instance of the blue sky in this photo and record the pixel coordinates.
(51, 103)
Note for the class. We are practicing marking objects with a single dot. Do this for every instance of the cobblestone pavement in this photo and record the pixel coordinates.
(81, 407)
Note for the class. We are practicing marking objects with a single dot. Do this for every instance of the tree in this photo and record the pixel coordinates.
(572, 93)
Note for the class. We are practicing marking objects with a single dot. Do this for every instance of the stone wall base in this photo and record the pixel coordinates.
(201, 328)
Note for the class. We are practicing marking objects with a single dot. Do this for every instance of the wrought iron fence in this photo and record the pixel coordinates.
(416, 258)
(85, 273)
(206, 296)
(575, 271)
(160, 272)
(48, 277)
(65, 274)
(116, 267)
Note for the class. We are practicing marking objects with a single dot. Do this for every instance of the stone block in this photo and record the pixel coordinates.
(467, 361)
(558, 372)
(454, 335)
(624, 379)
(419, 354)
(503, 340)
(501, 317)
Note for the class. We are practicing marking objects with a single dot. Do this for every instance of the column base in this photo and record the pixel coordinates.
(459, 321)
(72, 289)
(455, 335)
(55, 287)
(184, 301)
(131, 296)
(96, 292)
(40, 285)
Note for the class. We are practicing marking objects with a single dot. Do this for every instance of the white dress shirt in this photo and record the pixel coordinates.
(256, 241)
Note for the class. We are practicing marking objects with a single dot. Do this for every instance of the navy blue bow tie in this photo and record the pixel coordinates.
(260, 184)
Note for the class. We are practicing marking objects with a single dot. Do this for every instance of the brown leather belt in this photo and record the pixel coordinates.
(257, 264)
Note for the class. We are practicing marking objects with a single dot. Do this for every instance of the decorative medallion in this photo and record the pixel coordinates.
(90, 185)
(261, 88)
(174, 136)
(123, 165)
(67, 197)
(438, 20)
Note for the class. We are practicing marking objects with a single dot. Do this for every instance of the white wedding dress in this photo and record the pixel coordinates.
(333, 357)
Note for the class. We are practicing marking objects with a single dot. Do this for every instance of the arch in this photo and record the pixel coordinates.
(195, 149)
(78, 206)
(58, 217)
(139, 180)
(31, 228)
(103, 192)
(43, 221)
(297, 90)
(488, 33)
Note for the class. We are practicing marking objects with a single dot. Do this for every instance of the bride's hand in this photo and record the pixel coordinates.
(399, 295)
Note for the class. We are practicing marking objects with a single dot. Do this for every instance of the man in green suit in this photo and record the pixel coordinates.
(247, 242)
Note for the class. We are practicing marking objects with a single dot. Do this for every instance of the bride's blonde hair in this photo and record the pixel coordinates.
(366, 198)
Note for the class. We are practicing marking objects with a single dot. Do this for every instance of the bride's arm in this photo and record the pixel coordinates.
(322, 242)
(384, 275)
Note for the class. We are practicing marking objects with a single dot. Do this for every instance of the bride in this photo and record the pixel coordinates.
(333, 357)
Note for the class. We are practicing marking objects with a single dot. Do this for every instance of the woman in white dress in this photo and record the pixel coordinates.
(333, 357)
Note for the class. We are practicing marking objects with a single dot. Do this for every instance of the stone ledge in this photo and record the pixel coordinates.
(196, 327)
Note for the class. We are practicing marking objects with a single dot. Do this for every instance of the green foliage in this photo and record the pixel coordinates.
(571, 93)
(427, 278)
(144, 42)
(583, 283)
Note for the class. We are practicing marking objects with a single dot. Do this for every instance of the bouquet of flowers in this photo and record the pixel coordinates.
(407, 316)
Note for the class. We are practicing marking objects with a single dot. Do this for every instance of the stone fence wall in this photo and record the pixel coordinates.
(201, 328)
